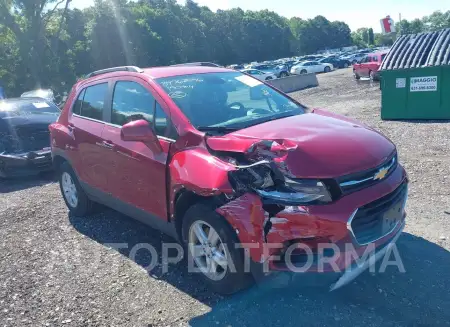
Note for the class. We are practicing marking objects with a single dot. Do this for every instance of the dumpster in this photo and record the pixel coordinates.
(415, 77)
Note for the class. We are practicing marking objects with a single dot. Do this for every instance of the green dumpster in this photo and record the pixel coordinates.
(415, 77)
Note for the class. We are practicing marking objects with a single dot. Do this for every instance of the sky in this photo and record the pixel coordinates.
(356, 13)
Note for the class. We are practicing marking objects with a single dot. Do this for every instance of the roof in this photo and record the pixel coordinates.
(419, 50)
(382, 52)
(159, 72)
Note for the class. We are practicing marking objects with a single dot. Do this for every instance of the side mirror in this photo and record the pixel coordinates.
(141, 131)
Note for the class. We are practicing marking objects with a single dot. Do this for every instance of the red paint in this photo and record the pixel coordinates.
(327, 147)
(134, 165)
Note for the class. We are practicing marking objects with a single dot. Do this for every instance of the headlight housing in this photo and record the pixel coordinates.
(275, 188)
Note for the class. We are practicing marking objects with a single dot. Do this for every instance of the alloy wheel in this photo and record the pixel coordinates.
(208, 250)
(69, 189)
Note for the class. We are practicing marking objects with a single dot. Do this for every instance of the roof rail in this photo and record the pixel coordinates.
(133, 69)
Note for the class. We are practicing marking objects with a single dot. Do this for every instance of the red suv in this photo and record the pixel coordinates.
(230, 167)
(369, 66)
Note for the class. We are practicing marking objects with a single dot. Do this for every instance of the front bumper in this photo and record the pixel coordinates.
(356, 269)
(266, 235)
(25, 164)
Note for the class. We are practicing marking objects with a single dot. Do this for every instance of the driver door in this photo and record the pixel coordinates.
(137, 175)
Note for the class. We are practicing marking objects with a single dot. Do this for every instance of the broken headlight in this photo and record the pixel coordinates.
(275, 188)
(251, 177)
(297, 192)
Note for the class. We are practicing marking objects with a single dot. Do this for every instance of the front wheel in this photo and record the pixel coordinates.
(284, 74)
(268, 78)
(345, 65)
(372, 76)
(211, 243)
(303, 71)
(76, 199)
(356, 76)
(327, 69)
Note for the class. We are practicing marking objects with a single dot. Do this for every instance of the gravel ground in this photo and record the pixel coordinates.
(57, 270)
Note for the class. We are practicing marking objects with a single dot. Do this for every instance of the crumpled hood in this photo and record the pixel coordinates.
(327, 145)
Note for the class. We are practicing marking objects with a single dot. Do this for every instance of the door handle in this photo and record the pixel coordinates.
(108, 144)
(71, 127)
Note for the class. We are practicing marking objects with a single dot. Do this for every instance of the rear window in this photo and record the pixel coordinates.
(27, 106)
(90, 102)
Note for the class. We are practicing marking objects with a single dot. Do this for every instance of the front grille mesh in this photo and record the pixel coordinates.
(25, 140)
(367, 224)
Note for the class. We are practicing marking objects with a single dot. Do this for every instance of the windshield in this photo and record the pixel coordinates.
(19, 107)
(225, 101)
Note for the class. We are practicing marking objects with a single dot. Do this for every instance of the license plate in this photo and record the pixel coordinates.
(392, 217)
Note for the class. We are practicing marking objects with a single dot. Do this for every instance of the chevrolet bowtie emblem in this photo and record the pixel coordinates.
(380, 174)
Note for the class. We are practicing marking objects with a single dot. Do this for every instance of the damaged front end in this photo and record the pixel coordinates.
(267, 196)
(25, 153)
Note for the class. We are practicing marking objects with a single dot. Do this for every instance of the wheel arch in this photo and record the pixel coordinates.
(185, 199)
(58, 160)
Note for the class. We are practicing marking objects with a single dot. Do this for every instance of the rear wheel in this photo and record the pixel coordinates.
(284, 74)
(211, 243)
(76, 199)
(372, 76)
(355, 75)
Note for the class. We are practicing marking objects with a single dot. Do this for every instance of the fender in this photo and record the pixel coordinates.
(197, 171)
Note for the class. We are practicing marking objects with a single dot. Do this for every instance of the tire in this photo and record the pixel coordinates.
(231, 282)
(345, 65)
(83, 206)
(372, 76)
(268, 78)
(303, 71)
(284, 74)
(356, 76)
(327, 69)
(354, 62)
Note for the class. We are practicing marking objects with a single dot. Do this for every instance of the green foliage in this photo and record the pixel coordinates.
(43, 43)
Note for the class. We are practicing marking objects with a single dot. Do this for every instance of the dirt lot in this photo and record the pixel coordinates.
(57, 270)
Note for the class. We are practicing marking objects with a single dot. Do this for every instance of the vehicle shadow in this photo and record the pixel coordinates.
(109, 227)
(418, 297)
(8, 185)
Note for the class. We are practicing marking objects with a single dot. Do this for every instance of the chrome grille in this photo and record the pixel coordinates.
(357, 181)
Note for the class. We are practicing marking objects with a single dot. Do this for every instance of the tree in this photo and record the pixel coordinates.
(371, 39)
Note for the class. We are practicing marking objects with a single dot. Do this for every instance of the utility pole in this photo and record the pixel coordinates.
(399, 23)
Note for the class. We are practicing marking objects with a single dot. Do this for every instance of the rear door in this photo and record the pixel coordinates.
(86, 123)
(316, 67)
(137, 176)
(361, 67)
(374, 64)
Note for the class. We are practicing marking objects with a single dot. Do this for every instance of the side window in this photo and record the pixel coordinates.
(93, 101)
(162, 124)
(77, 106)
(131, 101)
